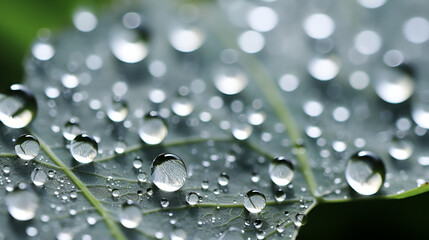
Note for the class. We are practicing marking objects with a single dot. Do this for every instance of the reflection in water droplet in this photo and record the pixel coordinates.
(241, 131)
(365, 172)
(168, 172)
(27, 147)
(192, 198)
(17, 107)
(71, 129)
(300, 220)
(254, 201)
(153, 130)
(130, 216)
(323, 69)
(39, 177)
(164, 203)
(229, 80)
(178, 234)
(319, 26)
(126, 45)
(182, 107)
(117, 111)
(43, 51)
(84, 148)
(281, 171)
(22, 204)
(401, 149)
(256, 118)
(223, 179)
(280, 195)
(186, 39)
(394, 86)
(115, 193)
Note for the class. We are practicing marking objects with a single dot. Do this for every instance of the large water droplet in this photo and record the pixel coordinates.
(192, 198)
(22, 204)
(117, 111)
(281, 171)
(365, 172)
(229, 80)
(71, 129)
(127, 46)
(254, 201)
(130, 216)
(39, 177)
(27, 147)
(300, 219)
(153, 130)
(168, 172)
(84, 148)
(394, 86)
(17, 107)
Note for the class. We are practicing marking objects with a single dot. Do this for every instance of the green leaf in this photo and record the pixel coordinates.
(204, 139)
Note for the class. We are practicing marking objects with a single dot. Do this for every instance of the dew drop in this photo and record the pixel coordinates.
(323, 69)
(300, 220)
(22, 204)
(186, 39)
(401, 149)
(43, 51)
(242, 131)
(280, 195)
(365, 172)
(254, 201)
(256, 118)
(130, 216)
(223, 179)
(127, 46)
(120, 147)
(165, 203)
(178, 234)
(420, 114)
(84, 148)
(39, 177)
(117, 111)
(205, 184)
(71, 129)
(27, 147)
(281, 171)
(142, 177)
(192, 198)
(17, 107)
(229, 79)
(168, 172)
(262, 19)
(394, 86)
(319, 26)
(182, 107)
(153, 130)
(115, 193)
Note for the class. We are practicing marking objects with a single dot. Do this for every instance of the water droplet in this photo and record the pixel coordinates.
(401, 149)
(153, 130)
(394, 86)
(371, 3)
(115, 193)
(223, 179)
(365, 172)
(192, 198)
(17, 107)
(367, 42)
(42, 51)
(256, 118)
(51, 173)
(416, 30)
(71, 129)
(254, 201)
(260, 235)
(281, 171)
(251, 41)
(300, 220)
(22, 204)
(84, 21)
(262, 19)
(168, 172)
(164, 203)
(182, 107)
(319, 26)
(39, 177)
(142, 177)
(323, 69)
(241, 130)
(137, 163)
(229, 79)
(84, 148)
(120, 147)
(178, 234)
(186, 39)
(205, 184)
(127, 46)
(130, 216)
(31, 231)
(257, 223)
(280, 195)
(117, 111)
(27, 147)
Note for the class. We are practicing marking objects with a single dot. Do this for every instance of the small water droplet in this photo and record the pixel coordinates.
(260, 235)
(300, 220)
(281, 171)
(186, 39)
(39, 177)
(130, 216)
(153, 130)
(31, 231)
(22, 204)
(178, 234)
(17, 107)
(365, 172)
(120, 147)
(84, 148)
(137, 163)
(115, 193)
(51, 173)
(205, 184)
(229, 80)
(192, 198)
(401, 149)
(280, 195)
(165, 202)
(393, 86)
(168, 172)
(127, 46)
(223, 179)
(27, 147)
(257, 223)
(182, 107)
(71, 129)
(242, 131)
(117, 111)
(142, 177)
(254, 201)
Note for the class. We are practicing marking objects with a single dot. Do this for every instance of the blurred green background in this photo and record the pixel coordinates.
(394, 219)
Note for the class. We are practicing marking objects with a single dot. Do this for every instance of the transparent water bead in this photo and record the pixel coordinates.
(39, 177)
(27, 147)
(178, 234)
(84, 148)
(281, 171)
(182, 107)
(323, 69)
(42, 51)
(192, 198)
(17, 107)
(153, 130)
(401, 149)
(168, 172)
(394, 86)
(130, 216)
(229, 80)
(365, 172)
(71, 129)
(22, 204)
(117, 111)
(223, 179)
(186, 39)
(300, 220)
(127, 46)
(420, 114)
(254, 201)
(241, 130)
